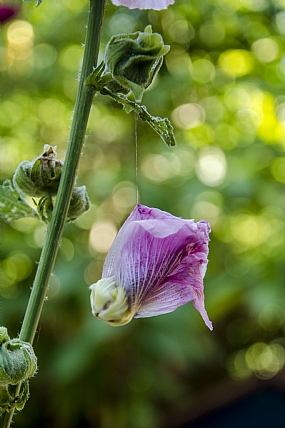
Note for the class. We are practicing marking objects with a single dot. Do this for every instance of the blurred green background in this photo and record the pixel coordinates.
(222, 85)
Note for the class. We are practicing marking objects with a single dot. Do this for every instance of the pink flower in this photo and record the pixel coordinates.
(7, 11)
(156, 263)
(144, 4)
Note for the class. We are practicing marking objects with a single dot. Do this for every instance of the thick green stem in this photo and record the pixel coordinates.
(77, 134)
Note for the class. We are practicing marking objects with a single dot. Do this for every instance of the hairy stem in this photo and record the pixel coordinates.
(77, 133)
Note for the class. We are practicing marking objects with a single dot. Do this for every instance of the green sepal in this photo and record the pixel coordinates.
(98, 78)
(162, 126)
(79, 203)
(12, 205)
(134, 59)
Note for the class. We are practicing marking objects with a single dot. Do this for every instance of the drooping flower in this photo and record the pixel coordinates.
(156, 263)
(144, 4)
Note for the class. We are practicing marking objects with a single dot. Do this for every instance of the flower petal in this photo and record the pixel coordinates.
(184, 284)
(160, 260)
(144, 4)
(140, 212)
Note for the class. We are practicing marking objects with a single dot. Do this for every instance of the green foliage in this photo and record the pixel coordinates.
(162, 126)
(12, 205)
(100, 80)
(222, 86)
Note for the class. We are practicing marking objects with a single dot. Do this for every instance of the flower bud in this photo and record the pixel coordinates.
(40, 176)
(79, 203)
(11, 399)
(134, 60)
(17, 361)
(109, 302)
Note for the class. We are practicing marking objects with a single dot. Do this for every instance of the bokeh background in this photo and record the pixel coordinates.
(222, 86)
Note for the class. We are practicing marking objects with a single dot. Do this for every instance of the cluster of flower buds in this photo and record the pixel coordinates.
(17, 364)
(41, 177)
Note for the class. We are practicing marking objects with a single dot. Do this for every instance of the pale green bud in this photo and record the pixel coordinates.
(40, 176)
(17, 364)
(109, 302)
(17, 361)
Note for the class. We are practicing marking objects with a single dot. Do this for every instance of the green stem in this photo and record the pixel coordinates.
(77, 134)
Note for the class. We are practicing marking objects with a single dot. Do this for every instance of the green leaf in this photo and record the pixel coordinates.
(162, 126)
(12, 205)
(30, 1)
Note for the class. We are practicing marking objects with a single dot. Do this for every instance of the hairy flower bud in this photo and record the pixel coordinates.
(17, 360)
(134, 60)
(11, 399)
(40, 176)
(79, 203)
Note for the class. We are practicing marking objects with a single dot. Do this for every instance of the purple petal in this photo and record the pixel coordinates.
(184, 285)
(160, 260)
(144, 4)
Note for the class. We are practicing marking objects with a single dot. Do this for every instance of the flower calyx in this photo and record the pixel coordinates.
(131, 62)
(17, 364)
(134, 60)
(40, 178)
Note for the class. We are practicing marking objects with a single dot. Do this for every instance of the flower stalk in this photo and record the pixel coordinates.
(55, 228)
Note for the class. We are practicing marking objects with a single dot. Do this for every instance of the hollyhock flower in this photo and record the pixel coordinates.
(156, 263)
(7, 11)
(144, 4)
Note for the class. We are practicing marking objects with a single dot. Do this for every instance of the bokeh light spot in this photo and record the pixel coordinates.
(271, 317)
(124, 196)
(249, 229)
(237, 62)
(278, 169)
(211, 167)
(266, 50)
(102, 234)
(20, 35)
(188, 116)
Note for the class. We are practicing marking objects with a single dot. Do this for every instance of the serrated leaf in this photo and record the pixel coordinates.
(30, 1)
(12, 205)
(162, 126)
